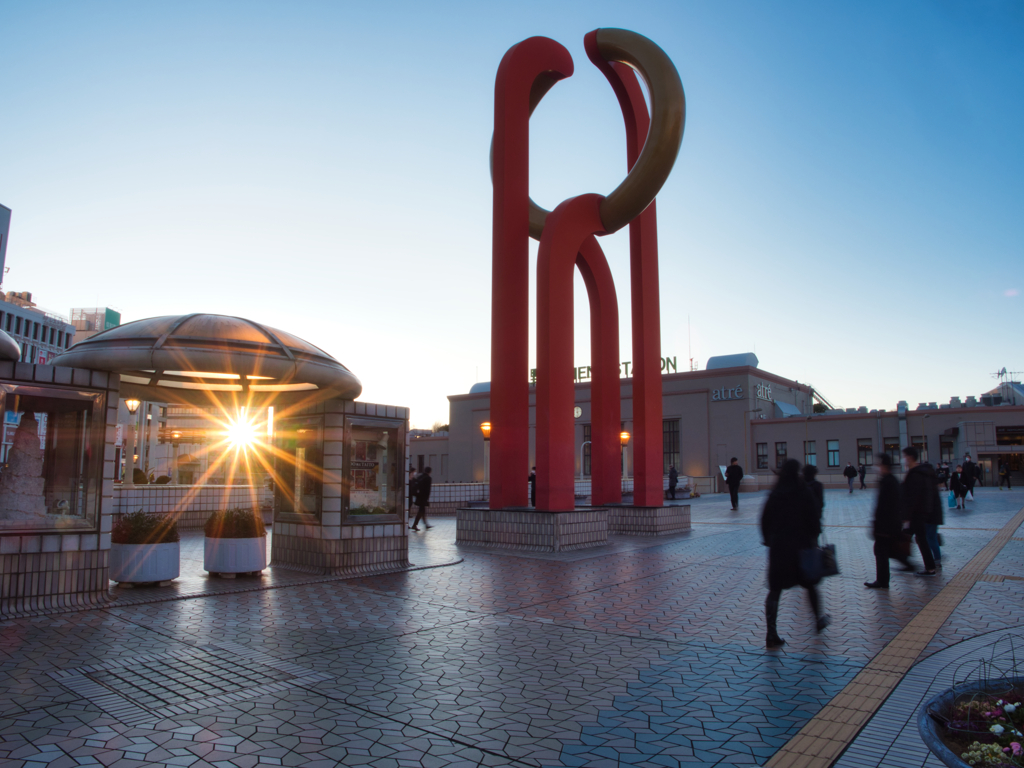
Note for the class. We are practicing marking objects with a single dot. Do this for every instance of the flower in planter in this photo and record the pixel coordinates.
(997, 729)
(142, 528)
(235, 524)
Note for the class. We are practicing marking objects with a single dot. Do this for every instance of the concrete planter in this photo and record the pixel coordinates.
(228, 557)
(145, 563)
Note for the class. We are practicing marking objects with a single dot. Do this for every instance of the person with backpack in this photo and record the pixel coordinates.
(422, 492)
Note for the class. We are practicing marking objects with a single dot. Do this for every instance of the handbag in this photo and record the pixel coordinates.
(951, 500)
(901, 546)
(829, 562)
(810, 565)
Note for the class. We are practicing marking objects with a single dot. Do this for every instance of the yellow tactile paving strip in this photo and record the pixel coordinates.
(823, 739)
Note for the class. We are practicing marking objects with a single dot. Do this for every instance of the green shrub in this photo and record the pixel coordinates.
(235, 524)
(141, 528)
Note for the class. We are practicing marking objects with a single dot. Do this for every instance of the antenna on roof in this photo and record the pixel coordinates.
(1002, 374)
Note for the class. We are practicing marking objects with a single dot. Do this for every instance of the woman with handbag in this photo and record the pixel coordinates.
(790, 523)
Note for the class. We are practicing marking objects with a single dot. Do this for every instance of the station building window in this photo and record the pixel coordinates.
(780, 454)
(811, 452)
(833, 453)
(921, 443)
(864, 451)
(670, 444)
(586, 450)
(17, 325)
(892, 447)
(946, 450)
(10, 317)
(762, 455)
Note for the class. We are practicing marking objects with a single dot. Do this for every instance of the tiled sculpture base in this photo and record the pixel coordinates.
(532, 530)
(355, 553)
(648, 521)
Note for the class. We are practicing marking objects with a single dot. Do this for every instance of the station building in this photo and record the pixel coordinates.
(735, 408)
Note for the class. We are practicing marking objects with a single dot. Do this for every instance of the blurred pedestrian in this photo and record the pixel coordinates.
(533, 486)
(1004, 476)
(968, 477)
(810, 473)
(673, 481)
(888, 524)
(850, 474)
(922, 509)
(790, 522)
(862, 472)
(979, 474)
(958, 487)
(423, 483)
(733, 478)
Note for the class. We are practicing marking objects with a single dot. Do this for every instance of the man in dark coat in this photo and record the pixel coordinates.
(733, 478)
(862, 472)
(423, 483)
(673, 481)
(810, 472)
(850, 474)
(532, 479)
(979, 474)
(921, 505)
(888, 526)
(790, 522)
(968, 477)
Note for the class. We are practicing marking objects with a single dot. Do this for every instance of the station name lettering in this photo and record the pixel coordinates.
(764, 392)
(583, 372)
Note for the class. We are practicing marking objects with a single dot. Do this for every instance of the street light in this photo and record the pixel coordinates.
(624, 441)
(485, 427)
(746, 456)
(129, 467)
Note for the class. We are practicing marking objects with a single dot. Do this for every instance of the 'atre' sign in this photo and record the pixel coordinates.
(763, 392)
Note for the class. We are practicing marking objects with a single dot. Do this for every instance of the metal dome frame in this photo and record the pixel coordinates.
(156, 363)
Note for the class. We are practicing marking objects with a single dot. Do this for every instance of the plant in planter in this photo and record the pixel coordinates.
(144, 549)
(236, 542)
(977, 725)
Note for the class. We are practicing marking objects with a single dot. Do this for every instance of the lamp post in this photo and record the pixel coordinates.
(129, 471)
(485, 427)
(175, 440)
(746, 456)
(623, 441)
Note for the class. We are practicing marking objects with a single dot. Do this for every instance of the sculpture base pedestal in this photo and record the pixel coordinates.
(532, 530)
(361, 549)
(648, 521)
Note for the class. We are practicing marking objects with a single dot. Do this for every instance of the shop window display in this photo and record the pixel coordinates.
(298, 466)
(52, 458)
(373, 481)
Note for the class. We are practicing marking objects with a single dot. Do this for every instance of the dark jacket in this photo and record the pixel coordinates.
(850, 472)
(956, 485)
(790, 522)
(968, 473)
(733, 474)
(423, 483)
(862, 471)
(888, 509)
(673, 478)
(921, 503)
(818, 491)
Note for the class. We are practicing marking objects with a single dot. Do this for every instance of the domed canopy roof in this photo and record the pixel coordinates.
(202, 358)
(9, 349)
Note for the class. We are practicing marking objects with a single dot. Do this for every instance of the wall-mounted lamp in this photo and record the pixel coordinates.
(132, 405)
(624, 438)
(485, 427)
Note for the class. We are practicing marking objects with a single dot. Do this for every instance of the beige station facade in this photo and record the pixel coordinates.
(734, 408)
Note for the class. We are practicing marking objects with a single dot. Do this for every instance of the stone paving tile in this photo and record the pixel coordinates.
(649, 653)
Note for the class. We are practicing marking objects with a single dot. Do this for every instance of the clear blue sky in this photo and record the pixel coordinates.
(848, 201)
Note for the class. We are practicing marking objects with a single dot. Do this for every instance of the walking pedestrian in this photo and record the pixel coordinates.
(944, 474)
(790, 522)
(810, 472)
(922, 509)
(888, 524)
(733, 478)
(850, 473)
(673, 481)
(862, 472)
(423, 483)
(958, 487)
(1004, 476)
(533, 486)
(968, 478)
(979, 474)
(412, 486)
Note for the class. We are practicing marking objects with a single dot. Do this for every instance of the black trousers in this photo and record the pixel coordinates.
(734, 495)
(1005, 479)
(771, 608)
(883, 549)
(421, 515)
(926, 550)
(671, 491)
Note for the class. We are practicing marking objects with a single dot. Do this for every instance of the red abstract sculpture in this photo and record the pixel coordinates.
(527, 71)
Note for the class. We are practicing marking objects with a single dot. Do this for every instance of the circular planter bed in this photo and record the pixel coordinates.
(236, 543)
(144, 549)
(982, 720)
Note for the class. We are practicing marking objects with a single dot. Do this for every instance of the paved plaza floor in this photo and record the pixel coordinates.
(646, 652)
